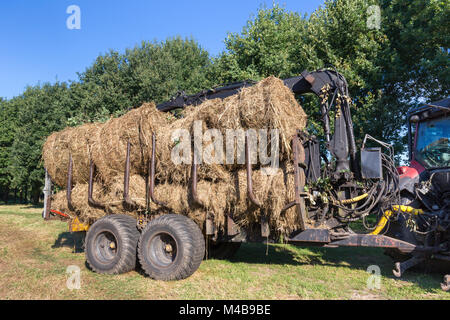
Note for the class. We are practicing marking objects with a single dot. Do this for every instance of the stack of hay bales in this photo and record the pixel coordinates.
(222, 188)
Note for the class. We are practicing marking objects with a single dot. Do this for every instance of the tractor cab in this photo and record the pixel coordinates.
(430, 126)
(429, 146)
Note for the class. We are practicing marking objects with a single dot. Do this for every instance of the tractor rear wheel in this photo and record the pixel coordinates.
(171, 247)
(111, 244)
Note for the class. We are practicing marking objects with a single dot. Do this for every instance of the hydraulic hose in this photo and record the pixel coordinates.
(353, 200)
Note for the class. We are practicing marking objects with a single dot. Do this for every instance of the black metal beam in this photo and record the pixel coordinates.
(324, 238)
(307, 82)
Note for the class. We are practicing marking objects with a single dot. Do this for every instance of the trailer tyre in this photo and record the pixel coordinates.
(111, 244)
(171, 247)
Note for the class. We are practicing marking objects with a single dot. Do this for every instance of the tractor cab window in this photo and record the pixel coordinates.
(433, 143)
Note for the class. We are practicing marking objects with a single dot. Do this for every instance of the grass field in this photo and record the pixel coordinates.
(35, 254)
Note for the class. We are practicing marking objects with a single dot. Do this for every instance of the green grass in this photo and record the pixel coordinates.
(34, 255)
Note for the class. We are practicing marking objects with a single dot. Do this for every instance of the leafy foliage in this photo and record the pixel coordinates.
(149, 72)
(388, 69)
(40, 111)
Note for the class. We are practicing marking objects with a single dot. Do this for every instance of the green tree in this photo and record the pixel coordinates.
(417, 59)
(157, 71)
(270, 44)
(40, 111)
(387, 69)
(153, 71)
(8, 121)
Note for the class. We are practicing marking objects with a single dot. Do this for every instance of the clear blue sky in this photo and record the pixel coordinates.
(36, 46)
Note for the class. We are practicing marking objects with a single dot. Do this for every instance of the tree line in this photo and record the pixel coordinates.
(389, 68)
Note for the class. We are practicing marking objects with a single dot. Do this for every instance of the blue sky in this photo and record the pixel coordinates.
(36, 46)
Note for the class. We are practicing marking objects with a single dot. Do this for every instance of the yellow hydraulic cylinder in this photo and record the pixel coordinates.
(353, 200)
(388, 213)
(76, 226)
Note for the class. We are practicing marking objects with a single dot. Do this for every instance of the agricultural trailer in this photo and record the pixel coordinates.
(335, 185)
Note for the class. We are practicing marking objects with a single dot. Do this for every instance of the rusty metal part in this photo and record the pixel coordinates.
(380, 241)
(69, 184)
(250, 193)
(299, 181)
(322, 237)
(288, 206)
(265, 230)
(401, 267)
(446, 284)
(232, 228)
(194, 178)
(151, 170)
(310, 78)
(61, 214)
(91, 201)
(126, 180)
(209, 224)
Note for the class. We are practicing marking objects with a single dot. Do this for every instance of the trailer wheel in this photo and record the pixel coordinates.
(223, 250)
(171, 247)
(111, 244)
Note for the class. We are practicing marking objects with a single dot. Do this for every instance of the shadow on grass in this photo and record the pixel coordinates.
(343, 257)
(73, 240)
(255, 253)
(359, 258)
(33, 206)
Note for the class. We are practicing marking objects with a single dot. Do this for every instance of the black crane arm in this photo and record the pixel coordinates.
(307, 82)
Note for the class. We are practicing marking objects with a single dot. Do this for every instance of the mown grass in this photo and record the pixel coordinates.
(35, 254)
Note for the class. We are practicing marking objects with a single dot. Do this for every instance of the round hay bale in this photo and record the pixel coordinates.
(216, 198)
(59, 203)
(273, 192)
(76, 141)
(55, 153)
(270, 104)
(168, 170)
(84, 212)
(136, 127)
